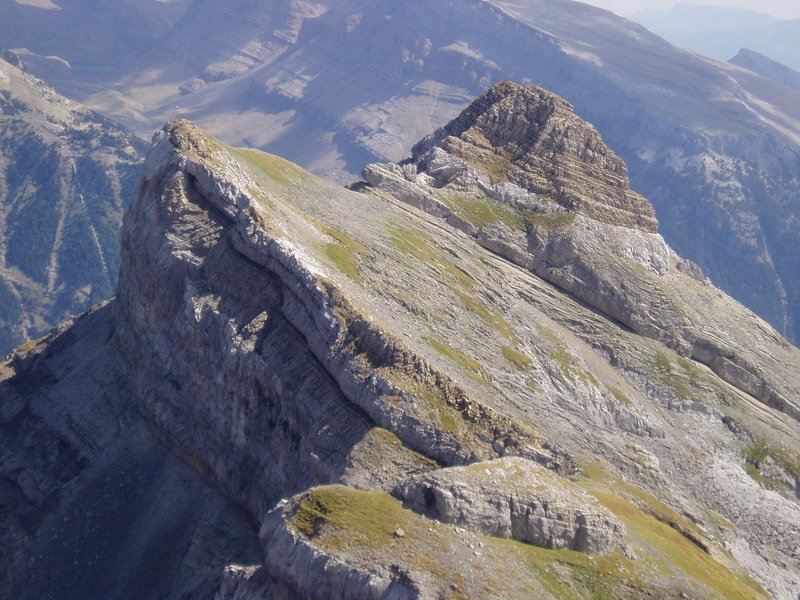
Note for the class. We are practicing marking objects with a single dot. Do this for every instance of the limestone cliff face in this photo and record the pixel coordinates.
(214, 298)
(302, 391)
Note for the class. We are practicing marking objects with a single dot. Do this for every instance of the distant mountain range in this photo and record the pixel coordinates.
(766, 67)
(715, 147)
(721, 31)
(66, 174)
(119, 30)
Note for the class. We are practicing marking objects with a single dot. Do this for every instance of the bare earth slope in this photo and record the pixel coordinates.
(66, 175)
(407, 402)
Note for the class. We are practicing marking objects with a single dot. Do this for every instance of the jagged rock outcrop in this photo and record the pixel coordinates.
(588, 248)
(514, 498)
(296, 560)
(289, 365)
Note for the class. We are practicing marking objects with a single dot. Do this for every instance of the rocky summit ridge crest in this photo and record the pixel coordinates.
(495, 382)
(531, 181)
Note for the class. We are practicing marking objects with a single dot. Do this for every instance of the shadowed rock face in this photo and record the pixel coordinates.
(93, 505)
(284, 354)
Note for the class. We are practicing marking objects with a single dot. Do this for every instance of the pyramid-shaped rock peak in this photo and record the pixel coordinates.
(533, 139)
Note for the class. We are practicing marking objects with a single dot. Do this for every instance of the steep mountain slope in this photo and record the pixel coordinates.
(721, 31)
(109, 511)
(408, 403)
(555, 172)
(766, 67)
(714, 147)
(66, 173)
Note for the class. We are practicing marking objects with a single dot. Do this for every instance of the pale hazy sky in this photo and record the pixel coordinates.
(786, 9)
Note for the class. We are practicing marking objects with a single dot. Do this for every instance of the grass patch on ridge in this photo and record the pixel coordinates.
(674, 552)
(473, 368)
(342, 520)
(416, 243)
(667, 542)
(519, 359)
(550, 222)
(759, 451)
(665, 372)
(451, 420)
(345, 252)
(344, 259)
(569, 366)
(276, 168)
(495, 319)
(482, 212)
(619, 395)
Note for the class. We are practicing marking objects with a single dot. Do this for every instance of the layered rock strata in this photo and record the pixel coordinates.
(498, 173)
(513, 498)
(262, 316)
(274, 369)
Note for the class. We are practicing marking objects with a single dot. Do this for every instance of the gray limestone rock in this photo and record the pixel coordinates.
(514, 498)
(595, 239)
(276, 336)
(532, 138)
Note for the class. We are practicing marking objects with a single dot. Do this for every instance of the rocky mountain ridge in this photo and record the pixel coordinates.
(397, 407)
(449, 176)
(714, 147)
(532, 139)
